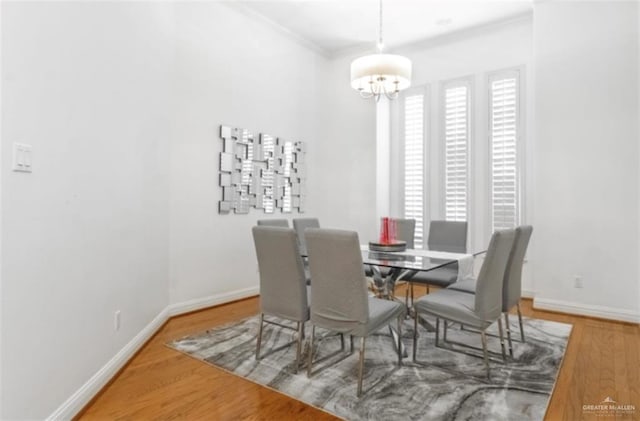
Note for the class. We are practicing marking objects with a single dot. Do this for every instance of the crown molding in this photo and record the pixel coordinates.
(300, 40)
(430, 42)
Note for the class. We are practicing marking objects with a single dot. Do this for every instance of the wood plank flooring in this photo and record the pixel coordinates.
(602, 359)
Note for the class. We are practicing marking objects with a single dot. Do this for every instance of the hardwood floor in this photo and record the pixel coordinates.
(602, 359)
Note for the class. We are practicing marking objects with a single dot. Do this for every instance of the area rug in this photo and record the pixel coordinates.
(442, 385)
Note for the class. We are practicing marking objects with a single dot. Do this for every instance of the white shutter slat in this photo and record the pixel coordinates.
(414, 163)
(456, 142)
(504, 164)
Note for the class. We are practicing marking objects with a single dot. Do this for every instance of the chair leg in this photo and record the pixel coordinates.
(444, 336)
(412, 296)
(351, 343)
(259, 336)
(506, 322)
(299, 347)
(360, 372)
(400, 340)
(520, 321)
(310, 362)
(502, 346)
(485, 353)
(342, 342)
(437, 329)
(415, 335)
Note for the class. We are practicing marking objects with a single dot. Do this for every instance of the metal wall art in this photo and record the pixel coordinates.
(265, 173)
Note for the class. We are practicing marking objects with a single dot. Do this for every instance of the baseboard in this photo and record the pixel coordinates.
(210, 301)
(527, 293)
(586, 310)
(83, 396)
(72, 406)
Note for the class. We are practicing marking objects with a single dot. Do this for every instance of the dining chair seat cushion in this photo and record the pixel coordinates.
(466, 285)
(441, 277)
(380, 313)
(452, 305)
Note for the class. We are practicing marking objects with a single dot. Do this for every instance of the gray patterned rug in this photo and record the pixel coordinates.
(443, 385)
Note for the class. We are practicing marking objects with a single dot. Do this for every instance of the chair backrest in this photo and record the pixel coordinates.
(273, 223)
(301, 224)
(512, 286)
(450, 236)
(406, 230)
(488, 298)
(283, 286)
(339, 289)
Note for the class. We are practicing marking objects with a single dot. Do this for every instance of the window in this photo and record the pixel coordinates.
(503, 134)
(414, 163)
(456, 150)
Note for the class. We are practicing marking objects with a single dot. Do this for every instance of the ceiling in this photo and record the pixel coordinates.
(334, 26)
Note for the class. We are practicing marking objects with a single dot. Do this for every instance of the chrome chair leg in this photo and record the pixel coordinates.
(415, 335)
(502, 346)
(400, 340)
(360, 371)
(310, 363)
(506, 322)
(485, 352)
(520, 321)
(299, 347)
(444, 336)
(412, 295)
(259, 336)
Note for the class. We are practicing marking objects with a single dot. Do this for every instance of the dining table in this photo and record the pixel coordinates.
(389, 267)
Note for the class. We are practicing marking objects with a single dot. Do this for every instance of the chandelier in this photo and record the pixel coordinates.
(380, 74)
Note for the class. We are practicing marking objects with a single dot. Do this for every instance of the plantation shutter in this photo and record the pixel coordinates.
(503, 148)
(414, 163)
(456, 139)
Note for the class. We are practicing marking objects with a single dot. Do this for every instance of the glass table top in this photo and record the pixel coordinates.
(412, 259)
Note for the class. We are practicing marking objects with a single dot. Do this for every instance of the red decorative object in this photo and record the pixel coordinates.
(388, 231)
(384, 231)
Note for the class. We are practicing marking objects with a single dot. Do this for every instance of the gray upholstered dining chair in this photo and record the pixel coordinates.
(301, 224)
(449, 236)
(478, 311)
(512, 283)
(283, 290)
(406, 230)
(339, 300)
(273, 223)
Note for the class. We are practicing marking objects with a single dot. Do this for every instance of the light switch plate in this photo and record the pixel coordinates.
(22, 157)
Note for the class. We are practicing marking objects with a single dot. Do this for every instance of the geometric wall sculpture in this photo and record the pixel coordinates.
(263, 172)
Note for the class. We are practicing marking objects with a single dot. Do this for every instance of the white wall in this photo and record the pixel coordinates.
(586, 211)
(343, 165)
(86, 233)
(470, 54)
(233, 70)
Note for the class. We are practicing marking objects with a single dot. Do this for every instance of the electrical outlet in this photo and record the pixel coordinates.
(116, 321)
(577, 282)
